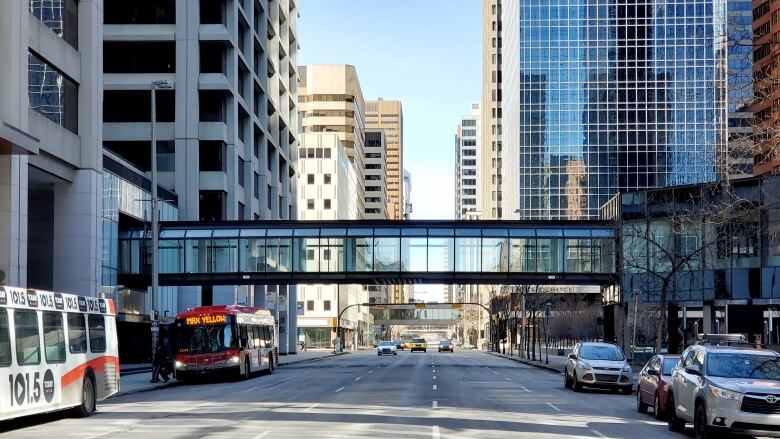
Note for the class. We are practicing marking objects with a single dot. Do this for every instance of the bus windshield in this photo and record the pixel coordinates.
(206, 338)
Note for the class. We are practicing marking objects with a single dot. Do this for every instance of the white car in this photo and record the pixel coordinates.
(601, 365)
(386, 348)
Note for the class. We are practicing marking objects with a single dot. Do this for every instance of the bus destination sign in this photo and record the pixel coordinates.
(208, 319)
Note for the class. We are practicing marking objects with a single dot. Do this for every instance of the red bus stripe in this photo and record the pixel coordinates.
(97, 364)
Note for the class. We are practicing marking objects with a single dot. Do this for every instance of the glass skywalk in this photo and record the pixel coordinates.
(228, 253)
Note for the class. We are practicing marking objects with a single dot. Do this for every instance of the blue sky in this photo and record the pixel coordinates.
(427, 53)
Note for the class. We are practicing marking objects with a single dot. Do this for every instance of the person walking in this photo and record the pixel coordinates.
(160, 364)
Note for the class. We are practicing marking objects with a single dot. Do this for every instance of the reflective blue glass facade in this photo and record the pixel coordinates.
(603, 96)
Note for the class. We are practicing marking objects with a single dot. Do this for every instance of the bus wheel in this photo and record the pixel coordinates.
(270, 364)
(87, 406)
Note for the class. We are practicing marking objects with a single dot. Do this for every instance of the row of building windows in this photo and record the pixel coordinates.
(51, 93)
(314, 153)
(326, 204)
(28, 336)
(310, 303)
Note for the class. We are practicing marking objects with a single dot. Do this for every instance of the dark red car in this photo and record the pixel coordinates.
(654, 383)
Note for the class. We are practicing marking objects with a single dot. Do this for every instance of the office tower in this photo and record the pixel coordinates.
(227, 130)
(468, 166)
(388, 116)
(490, 181)
(51, 164)
(407, 194)
(766, 71)
(630, 96)
(740, 142)
(376, 200)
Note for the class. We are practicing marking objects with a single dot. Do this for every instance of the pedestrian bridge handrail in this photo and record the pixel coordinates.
(256, 252)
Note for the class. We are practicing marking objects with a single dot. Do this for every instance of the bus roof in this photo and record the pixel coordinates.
(25, 298)
(223, 309)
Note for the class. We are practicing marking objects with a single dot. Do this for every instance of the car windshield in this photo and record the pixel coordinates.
(419, 340)
(669, 364)
(199, 339)
(387, 343)
(601, 352)
(736, 365)
(444, 342)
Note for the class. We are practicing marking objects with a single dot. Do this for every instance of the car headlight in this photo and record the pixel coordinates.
(179, 365)
(725, 394)
(233, 359)
(584, 365)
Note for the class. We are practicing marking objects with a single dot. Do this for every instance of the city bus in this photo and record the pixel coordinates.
(231, 340)
(59, 352)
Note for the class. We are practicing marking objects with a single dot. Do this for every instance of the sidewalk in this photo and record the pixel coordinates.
(138, 376)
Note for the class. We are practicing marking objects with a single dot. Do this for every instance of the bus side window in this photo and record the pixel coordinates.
(28, 341)
(243, 335)
(258, 342)
(267, 336)
(97, 333)
(5, 339)
(77, 333)
(250, 336)
(53, 337)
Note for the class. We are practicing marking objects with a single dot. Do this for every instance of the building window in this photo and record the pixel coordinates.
(60, 16)
(52, 94)
(212, 153)
(309, 305)
(241, 172)
(326, 305)
(310, 204)
(310, 178)
(326, 204)
(326, 179)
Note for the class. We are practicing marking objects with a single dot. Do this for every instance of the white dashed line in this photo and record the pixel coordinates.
(434, 377)
(250, 389)
(508, 379)
(358, 378)
(371, 371)
(434, 370)
(339, 390)
(307, 409)
(525, 389)
(553, 406)
(263, 434)
(598, 433)
(435, 432)
(434, 387)
(435, 405)
(495, 372)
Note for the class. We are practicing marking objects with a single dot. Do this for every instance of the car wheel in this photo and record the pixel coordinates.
(672, 421)
(626, 390)
(565, 379)
(641, 407)
(88, 399)
(577, 384)
(378, 354)
(395, 353)
(657, 412)
(700, 428)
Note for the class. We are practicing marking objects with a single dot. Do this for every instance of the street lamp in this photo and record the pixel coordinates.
(155, 213)
(547, 308)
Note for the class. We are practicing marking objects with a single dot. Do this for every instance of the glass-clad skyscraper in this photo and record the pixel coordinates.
(602, 96)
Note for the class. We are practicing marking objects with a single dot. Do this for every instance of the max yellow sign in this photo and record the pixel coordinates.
(206, 319)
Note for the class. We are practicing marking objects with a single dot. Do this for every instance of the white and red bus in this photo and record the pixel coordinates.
(59, 351)
(225, 339)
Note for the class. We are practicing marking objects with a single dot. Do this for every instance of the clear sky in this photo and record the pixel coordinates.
(427, 54)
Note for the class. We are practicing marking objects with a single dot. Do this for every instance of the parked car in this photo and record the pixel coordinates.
(418, 344)
(399, 344)
(722, 388)
(600, 365)
(446, 345)
(653, 384)
(387, 348)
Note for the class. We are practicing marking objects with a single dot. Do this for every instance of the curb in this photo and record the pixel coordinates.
(309, 360)
(529, 363)
(134, 371)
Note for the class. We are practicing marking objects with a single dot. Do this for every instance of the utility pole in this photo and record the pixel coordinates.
(522, 329)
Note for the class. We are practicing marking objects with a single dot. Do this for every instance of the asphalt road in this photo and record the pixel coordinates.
(360, 395)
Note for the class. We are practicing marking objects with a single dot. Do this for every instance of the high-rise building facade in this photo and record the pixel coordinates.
(227, 129)
(766, 95)
(467, 166)
(601, 98)
(388, 115)
(740, 140)
(490, 125)
(376, 200)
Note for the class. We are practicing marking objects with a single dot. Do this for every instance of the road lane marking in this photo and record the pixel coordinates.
(358, 378)
(495, 372)
(435, 405)
(339, 390)
(434, 387)
(263, 434)
(307, 409)
(553, 406)
(598, 433)
(434, 370)
(508, 379)
(250, 389)
(435, 432)
(434, 377)
(525, 389)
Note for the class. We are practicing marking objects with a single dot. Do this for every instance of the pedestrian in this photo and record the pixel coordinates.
(160, 364)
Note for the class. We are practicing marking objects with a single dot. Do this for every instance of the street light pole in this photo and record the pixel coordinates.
(155, 214)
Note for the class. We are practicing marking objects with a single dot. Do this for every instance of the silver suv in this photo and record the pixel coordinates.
(600, 365)
(734, 389)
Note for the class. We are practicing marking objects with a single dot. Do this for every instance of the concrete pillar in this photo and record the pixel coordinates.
(292, 311)
(708, 318)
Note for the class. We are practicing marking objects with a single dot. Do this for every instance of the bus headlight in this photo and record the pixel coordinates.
(233, 359)
(179, 365)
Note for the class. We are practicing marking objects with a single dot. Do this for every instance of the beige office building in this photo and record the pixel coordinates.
(388, 116)
(490, 172)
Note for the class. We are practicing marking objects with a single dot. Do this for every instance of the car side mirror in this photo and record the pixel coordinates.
(573, 356)
(693, 370)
